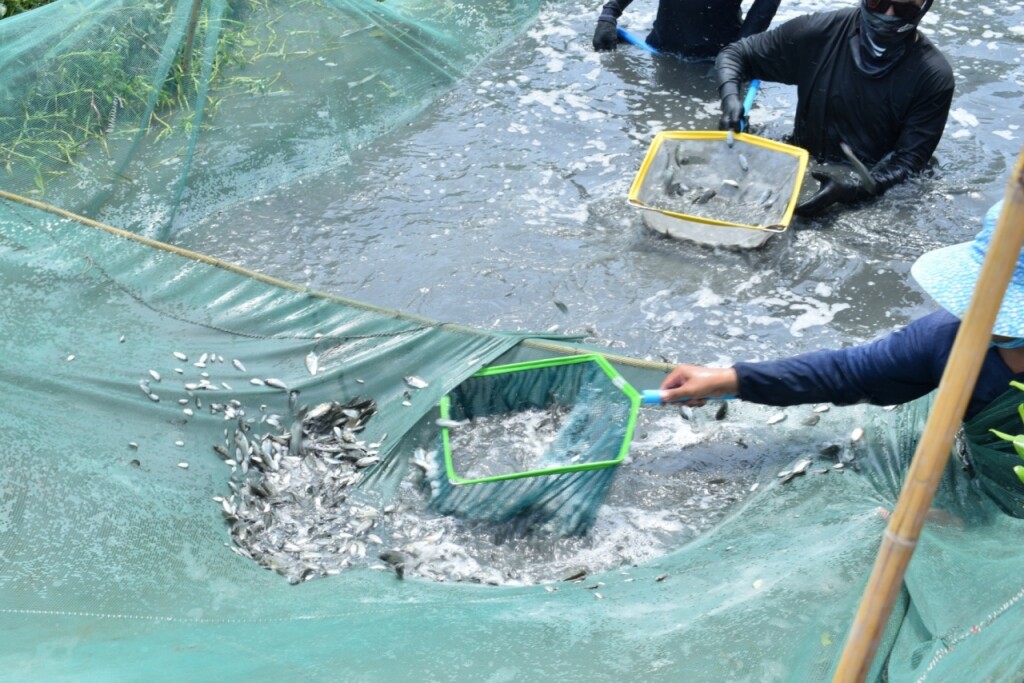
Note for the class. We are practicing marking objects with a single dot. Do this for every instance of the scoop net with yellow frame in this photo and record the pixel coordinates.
(719, 187)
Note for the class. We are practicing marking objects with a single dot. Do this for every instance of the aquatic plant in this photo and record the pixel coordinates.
(1018, 439)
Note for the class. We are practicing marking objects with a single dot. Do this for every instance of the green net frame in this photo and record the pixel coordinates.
(503, 372)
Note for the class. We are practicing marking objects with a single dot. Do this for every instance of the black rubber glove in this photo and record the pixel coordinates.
(831, 191)
(732, 113)
(606, 36)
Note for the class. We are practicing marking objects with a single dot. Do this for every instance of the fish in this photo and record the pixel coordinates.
(238, 365)
(765, 196)
(680, 156)
(730, 138)
(743, 163)
(705, 196)
(856, 434)
(416, 382)
(312, 362)
(562, 307)
(397, 560)
(731, 183)
(776, 418)
(180, 356)
(676, 186)
(276, 383)
(798, 469)
(858, 166)
(155, 375)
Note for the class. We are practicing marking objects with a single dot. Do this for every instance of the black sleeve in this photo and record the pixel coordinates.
(613, 9)
(759, 18)
(921, 130)
(771, 56)
(895, 369)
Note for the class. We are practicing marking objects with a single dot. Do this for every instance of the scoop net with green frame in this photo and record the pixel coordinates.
(499, 466)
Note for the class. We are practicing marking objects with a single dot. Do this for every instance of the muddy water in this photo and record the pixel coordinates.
(508, 195)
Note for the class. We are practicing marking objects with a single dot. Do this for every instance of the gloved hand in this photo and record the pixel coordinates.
(831, 191)
(732, 113)
(606, 36)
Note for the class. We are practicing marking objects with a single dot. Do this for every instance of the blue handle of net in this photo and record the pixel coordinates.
(653, 397)
(748, 101)
(633, 40)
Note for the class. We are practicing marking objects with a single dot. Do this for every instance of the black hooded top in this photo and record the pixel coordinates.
(699, 28)
(898, 117)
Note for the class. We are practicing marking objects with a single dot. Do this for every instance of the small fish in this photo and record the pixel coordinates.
(856, 434)
(776, 418)
(238, 365)
(722, 411)
(276, 383)
(180, 356)
(183, 465)
(765, 196)
(416, 382)
(676, 186)
(743, 163)
(860, 168)
(155, 375)
(731, 183)
(680, 156)
(132, 445)
(312, 362)
(122, 339)
(450, 424)
(577, 574)
(730, 138)
(661, 577)
(705, 196)
(562, 307)
(71, 357)
(821, 408)
(811, 420)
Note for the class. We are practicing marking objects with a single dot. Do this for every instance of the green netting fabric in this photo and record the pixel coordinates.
(115, 564)
(114, 570)
(146, 113)
(994, 458)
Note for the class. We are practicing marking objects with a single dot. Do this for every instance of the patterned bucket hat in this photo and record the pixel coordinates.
(949, 274)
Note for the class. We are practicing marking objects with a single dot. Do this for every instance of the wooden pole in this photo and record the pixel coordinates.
(933, 450)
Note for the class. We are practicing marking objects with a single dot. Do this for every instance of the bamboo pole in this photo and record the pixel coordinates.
(933, 450)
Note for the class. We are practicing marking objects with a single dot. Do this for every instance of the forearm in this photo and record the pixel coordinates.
(759, 18)
(613, 9)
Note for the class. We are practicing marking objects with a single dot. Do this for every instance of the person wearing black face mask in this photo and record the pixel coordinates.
(865, 77)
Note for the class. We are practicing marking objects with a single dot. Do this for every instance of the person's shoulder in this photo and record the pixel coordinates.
(818, 25)
(940, 325)
(933, 61)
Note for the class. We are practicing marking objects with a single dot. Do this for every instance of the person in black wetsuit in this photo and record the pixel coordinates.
(897, 368)
(692, 28)
(864, 76)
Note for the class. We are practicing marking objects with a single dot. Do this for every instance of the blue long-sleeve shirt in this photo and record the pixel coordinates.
(894, 369)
